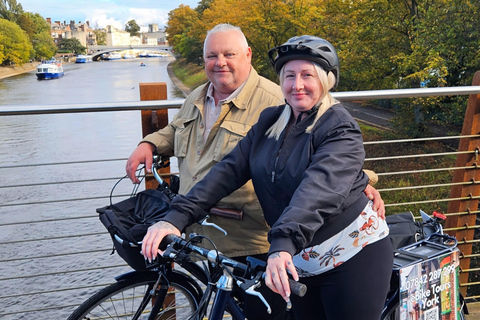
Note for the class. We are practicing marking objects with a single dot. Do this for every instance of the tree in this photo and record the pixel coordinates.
(185, 32)
(10, 10)
(15, 46)
(43, 46)
(38, 30)
(101, 36)
(133, 28)
(71, 45)
(266, 24)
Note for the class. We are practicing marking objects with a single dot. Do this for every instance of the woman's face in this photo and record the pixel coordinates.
(301, 85)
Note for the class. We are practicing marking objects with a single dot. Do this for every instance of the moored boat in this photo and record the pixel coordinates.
(113, 56)
(49, 69)
(83, 58)
(128, 56)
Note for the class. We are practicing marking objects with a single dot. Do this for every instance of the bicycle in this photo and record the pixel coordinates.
(219, 278)
(158, 291)
(160, 281)
(189, 301)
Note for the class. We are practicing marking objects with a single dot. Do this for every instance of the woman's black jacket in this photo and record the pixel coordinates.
(310, 185)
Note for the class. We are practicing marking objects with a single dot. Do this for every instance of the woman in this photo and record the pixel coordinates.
(305, 160)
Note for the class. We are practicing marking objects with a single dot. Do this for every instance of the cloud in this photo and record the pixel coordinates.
(145, 16)
(101, 13)
(101, 20)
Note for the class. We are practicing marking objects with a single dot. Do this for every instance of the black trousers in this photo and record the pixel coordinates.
(357, 289)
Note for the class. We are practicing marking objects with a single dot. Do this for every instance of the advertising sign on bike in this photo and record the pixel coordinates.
(429, 289)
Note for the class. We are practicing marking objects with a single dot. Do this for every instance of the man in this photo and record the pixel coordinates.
(213, 118)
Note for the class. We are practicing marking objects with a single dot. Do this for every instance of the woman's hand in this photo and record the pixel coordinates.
(154, 237)
(276, 274)
(378, 204)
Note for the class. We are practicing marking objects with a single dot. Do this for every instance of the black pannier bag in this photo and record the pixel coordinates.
(404, 230)
(127, 221)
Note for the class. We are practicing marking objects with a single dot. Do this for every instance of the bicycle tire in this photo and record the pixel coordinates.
(121, 300)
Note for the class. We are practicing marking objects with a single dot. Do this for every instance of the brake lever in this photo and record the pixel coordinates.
(209, 224)
(255, 283)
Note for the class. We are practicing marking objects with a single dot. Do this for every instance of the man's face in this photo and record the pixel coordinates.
(227, 61)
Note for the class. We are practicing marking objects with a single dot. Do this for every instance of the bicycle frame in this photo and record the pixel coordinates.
(224, 300)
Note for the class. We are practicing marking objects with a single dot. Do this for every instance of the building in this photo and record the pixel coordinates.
(154, 36)
(117, 37)
(80, 31)
(150, 35)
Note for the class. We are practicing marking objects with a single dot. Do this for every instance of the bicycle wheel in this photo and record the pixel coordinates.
(128, 299)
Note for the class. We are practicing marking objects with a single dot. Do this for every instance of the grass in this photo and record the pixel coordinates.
(191, 75)
(399, 164)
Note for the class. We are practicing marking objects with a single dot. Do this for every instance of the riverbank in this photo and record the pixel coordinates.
(6, 72)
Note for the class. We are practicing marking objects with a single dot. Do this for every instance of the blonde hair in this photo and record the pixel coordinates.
(226, 27)
(325, 102)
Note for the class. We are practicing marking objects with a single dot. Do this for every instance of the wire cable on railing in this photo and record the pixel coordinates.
(421, 139)
(57, 290)
(430, 186)
(421, 155)
(426, 170)
(56, 273)
(58, 255)
(431, 201)
(53, 238)
(47, 220)
(62, 200)
(60, 163)
(57, 182)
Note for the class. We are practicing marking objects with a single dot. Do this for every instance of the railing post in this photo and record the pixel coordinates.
(153, 120)
(471, 126)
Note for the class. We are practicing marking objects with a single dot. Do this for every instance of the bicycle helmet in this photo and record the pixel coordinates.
(306, 48)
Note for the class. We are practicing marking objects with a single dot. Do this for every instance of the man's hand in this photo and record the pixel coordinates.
(378, 204)
(276, 277)
(154, 237)
(143, 154)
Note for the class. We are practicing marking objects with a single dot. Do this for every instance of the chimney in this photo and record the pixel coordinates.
(49, 20)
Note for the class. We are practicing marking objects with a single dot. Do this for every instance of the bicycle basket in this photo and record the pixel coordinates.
(127, 222)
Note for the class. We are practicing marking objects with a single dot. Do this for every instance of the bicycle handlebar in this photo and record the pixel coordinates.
(213, 256)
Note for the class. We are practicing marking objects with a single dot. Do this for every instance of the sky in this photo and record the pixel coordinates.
(100, 13)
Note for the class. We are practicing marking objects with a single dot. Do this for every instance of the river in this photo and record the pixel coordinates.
(29, 140)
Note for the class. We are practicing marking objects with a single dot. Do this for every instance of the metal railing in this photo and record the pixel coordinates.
(44, 286)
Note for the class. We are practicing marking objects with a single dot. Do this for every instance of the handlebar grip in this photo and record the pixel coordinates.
(297, 288)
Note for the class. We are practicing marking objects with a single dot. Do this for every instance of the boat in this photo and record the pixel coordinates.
(83, 58)
(128, 56)
(113, 56)
(49, 69)
(155, 54)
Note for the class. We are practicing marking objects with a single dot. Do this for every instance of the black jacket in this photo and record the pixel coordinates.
(310, 185)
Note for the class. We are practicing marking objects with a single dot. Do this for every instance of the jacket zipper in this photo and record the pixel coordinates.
(278, 154)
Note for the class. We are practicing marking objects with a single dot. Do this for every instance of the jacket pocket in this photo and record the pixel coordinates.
(183, 132)
(229, 134)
